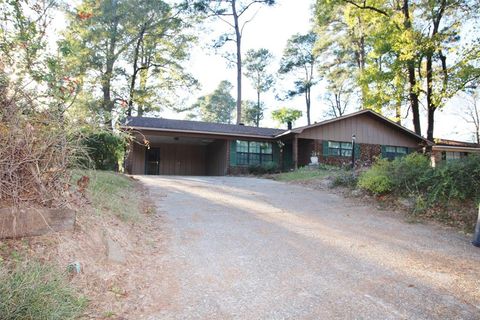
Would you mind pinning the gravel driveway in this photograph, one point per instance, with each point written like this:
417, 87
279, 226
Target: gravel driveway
246, 248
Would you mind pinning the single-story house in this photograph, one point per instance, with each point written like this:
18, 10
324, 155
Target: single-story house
182, 147
446, 150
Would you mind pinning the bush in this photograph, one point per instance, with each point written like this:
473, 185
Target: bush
377, 180
407, 174
258, 169
457, 180
413, 175
35, 155
345, 179
105, 148
35, 291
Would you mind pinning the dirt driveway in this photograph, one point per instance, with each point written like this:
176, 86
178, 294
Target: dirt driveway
246, 248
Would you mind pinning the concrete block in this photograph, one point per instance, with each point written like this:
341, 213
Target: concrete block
28, 222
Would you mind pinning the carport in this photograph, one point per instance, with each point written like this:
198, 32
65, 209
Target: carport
180, 155
182, 147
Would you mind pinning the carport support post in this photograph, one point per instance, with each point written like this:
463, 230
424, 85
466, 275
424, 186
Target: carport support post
476, 236
295, 152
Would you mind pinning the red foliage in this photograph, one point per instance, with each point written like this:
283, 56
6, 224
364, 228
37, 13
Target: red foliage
82, 15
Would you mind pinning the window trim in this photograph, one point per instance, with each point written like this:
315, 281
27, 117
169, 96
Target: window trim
461, 155
396, 154
260, 155
340, 149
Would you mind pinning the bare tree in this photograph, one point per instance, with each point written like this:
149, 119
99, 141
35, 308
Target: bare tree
472, 114
233, 13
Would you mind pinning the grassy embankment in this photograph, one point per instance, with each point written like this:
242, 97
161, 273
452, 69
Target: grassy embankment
112, 193
448, 194
307, 173
32, 289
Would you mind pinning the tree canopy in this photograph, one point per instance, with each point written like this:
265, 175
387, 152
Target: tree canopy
257, 63
300, 58
285, 115
131, 50
217, 106
235, 14
403, 53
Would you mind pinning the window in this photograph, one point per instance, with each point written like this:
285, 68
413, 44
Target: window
392, 152
452, 155
340, 149
254, 152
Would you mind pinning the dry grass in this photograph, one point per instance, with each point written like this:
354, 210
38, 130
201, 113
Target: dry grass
35, 155
113, 193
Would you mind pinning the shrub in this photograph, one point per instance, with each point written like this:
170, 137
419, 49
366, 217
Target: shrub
413, 175
35, 155
35, 291
459, 180
345, 179
105, 148
407, 174
258, 169
377, 180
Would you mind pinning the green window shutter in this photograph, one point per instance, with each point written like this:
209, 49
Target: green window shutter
384, 151
233, 152
357, 151
287, 157
325, 148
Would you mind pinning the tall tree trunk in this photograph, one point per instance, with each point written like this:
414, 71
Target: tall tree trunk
307, 101
143, 88
257, 114
108, 103
476, 119
107, 97
398, 112
239, 61
412, 81
135, 70
361, 58
430, 104
413, 97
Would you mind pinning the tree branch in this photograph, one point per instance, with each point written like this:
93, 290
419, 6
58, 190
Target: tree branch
366, 7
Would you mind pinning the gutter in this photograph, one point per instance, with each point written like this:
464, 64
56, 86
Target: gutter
199, 132
454, 148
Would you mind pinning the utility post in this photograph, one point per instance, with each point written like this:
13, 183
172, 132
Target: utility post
353, 151
476, 236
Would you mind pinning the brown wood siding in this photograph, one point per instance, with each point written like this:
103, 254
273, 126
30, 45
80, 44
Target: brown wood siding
305, 148
138, 159
217, 158
366, 129
179, 159
184, 159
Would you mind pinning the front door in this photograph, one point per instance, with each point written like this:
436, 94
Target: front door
152, 161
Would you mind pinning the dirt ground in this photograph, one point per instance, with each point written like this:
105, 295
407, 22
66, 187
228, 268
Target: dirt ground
122, 282
247, 248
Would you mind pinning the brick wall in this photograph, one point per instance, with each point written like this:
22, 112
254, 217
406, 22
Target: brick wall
368, 153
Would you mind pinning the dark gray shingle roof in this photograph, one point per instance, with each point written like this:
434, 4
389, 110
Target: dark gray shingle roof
200, 126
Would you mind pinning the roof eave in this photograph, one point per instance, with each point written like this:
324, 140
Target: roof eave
455, 148
271, 137
366, 111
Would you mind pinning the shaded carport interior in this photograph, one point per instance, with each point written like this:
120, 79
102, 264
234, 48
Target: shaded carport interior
178, 154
